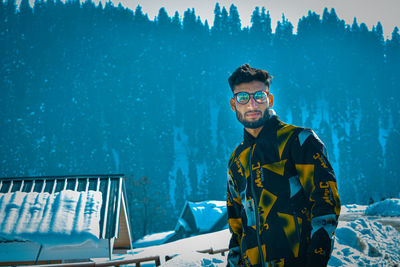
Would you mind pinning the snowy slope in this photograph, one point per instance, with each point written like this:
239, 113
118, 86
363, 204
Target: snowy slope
387, 207
363, 241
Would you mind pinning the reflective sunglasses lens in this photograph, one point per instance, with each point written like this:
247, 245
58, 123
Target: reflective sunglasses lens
243, 98
260, 96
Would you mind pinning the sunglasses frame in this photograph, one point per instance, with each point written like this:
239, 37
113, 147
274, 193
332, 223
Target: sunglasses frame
251, 95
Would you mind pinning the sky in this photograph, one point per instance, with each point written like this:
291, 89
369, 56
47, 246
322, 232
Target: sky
367, 11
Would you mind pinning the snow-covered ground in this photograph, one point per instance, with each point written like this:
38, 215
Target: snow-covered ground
387, 207
361, 240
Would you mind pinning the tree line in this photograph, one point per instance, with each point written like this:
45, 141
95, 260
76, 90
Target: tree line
93, 88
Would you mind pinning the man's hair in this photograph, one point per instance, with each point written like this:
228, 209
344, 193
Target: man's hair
245, 74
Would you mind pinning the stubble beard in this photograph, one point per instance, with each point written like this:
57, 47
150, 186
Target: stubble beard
253, 124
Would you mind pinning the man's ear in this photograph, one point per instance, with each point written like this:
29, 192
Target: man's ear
233, 106
271, 100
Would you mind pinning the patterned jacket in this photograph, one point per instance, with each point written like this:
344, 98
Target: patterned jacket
287, 204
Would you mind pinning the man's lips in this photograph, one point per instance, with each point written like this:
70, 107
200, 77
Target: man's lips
252, 114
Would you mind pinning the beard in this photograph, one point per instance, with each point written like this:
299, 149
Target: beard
253, 124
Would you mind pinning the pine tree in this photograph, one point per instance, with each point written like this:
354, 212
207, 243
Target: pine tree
266, 23
256, 25
234, 21
224, 21
176, 21
180, 191
349, 166
391, 178
393, 62
139, 18
163, 19
217, 27
100, 88
25, 10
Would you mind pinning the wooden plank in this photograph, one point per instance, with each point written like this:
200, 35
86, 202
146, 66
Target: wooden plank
123, 240
105, 204
136, 261
13, 263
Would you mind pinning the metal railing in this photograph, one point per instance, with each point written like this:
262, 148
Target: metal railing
125, 261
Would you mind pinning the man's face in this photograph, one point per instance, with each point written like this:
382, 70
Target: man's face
252, 114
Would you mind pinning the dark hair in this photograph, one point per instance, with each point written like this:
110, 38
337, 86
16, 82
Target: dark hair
245, 74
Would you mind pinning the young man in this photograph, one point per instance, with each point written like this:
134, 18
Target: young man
282, 196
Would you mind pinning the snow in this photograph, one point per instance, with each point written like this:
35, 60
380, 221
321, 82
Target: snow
185, 251
66, 217
197, 259
353, 208
207, 213
360, 241
153, 239
365, 243
387, 207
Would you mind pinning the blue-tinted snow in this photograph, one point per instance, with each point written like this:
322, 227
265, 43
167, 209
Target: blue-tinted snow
207, 213
362, 242
153, 239
387, 207
66, 217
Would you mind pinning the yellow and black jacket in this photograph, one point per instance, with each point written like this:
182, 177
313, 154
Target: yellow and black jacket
287, 203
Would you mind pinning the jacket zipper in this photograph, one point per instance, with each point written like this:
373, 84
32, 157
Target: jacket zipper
252, 182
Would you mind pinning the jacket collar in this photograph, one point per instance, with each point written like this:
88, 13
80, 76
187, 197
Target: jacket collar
269, 126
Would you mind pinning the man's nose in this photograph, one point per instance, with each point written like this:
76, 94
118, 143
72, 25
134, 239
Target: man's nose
252, 102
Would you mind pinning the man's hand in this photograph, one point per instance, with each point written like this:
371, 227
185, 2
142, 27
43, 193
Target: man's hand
320, 249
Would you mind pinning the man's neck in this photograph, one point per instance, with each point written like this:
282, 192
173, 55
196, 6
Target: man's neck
254, 132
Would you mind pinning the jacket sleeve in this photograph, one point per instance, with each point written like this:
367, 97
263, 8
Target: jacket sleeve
319, 183
233, 203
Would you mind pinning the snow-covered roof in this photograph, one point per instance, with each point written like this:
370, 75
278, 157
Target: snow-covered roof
203, 217
196, 218
207, 213
66, 217
85, 215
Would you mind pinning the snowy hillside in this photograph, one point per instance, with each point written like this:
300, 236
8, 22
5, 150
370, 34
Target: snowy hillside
361, 240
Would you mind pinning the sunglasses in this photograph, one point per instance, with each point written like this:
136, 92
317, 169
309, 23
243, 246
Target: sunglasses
244, 97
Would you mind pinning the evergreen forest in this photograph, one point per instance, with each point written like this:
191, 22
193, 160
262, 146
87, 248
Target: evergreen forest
91, 88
